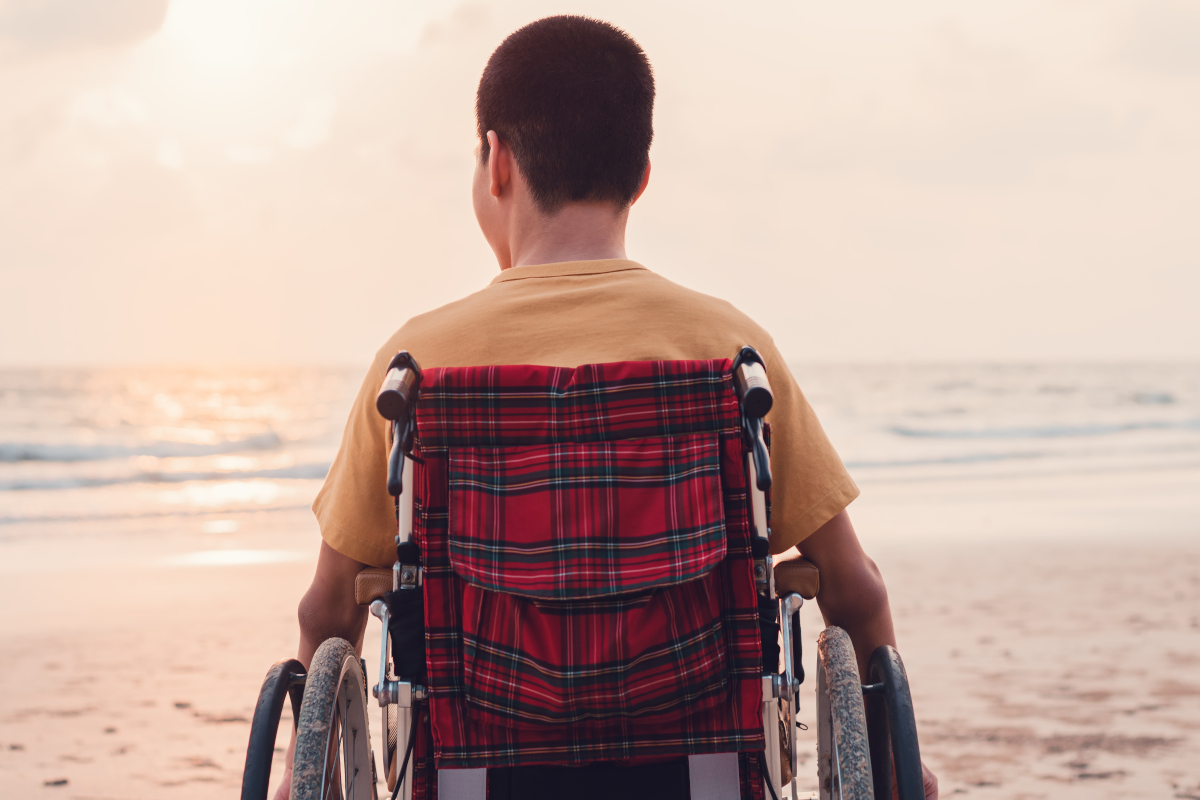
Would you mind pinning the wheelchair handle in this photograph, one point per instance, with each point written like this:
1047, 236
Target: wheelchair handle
762, 461
396, 401
754, 390
400, 388
755, 397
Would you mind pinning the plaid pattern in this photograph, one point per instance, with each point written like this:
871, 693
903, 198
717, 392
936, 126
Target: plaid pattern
530, 662
750, 776
495, 615
573, 521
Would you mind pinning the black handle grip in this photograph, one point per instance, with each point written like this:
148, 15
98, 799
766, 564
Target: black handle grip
396, 402
754, 390
797, 649
395, 479
762, 460
400, 389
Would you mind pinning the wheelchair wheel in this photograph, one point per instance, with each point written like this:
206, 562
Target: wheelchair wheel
843, 757
333, 744
890, 720
284, 679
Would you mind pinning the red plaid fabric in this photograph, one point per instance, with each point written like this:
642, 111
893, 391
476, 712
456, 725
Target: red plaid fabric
588, 578
644, 656
573, 521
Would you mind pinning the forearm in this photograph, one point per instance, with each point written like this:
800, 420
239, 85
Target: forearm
866, 615
327, 612
852, 594
315, 631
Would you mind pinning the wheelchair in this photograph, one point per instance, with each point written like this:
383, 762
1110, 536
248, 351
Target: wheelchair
584, 604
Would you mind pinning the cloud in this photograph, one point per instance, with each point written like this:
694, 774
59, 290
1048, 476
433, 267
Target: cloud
463, 22
1165, 37
41, 26
314, 123
170, 154
108, 107
248, 153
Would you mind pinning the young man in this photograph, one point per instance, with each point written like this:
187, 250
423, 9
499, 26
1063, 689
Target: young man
564, 112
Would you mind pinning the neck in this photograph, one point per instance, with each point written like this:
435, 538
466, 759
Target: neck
576, 232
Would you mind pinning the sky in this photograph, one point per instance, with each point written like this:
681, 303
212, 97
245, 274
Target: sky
287, 181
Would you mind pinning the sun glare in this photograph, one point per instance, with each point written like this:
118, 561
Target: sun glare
225, 36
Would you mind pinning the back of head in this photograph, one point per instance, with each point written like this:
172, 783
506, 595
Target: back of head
573, 98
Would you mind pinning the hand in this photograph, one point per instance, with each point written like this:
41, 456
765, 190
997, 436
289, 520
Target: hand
930, 781
927, 778
285, 780
285, 784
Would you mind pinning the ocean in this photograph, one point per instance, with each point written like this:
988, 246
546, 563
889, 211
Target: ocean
126, 445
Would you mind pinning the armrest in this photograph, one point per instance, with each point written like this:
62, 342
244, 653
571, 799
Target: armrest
370, 584
797, 575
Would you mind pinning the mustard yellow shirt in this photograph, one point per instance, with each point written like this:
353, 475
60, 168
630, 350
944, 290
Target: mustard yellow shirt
564, 315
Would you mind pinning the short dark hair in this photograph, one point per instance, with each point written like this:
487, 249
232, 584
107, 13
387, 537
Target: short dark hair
573, 98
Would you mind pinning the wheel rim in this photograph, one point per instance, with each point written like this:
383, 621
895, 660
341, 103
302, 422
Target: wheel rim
333, 758
345, 776
841, 734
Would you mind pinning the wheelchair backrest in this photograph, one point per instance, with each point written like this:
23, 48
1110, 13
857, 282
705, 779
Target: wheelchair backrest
588, 575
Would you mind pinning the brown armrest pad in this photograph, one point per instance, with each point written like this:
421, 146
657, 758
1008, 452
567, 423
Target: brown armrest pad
370, 584
797, 575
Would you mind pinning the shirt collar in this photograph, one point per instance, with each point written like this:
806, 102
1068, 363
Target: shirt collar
565, 269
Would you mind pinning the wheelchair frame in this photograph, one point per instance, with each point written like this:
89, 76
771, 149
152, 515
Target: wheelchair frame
848, 767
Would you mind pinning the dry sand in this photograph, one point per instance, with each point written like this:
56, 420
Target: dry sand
1066, 669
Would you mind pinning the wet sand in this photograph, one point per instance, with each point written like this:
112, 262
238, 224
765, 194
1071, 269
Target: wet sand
1041, 669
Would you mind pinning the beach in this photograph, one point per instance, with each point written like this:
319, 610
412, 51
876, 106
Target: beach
1047, 607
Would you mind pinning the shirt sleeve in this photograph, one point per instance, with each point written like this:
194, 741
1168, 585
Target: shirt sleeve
810, 485
356, 515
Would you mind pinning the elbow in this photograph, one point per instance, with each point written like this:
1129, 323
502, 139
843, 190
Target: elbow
323, 614
854, 597
872, 588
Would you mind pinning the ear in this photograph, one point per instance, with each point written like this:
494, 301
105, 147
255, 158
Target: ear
499, 164
645, 183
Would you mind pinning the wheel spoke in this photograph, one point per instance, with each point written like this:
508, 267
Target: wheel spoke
354, 750
836, 759
329, 778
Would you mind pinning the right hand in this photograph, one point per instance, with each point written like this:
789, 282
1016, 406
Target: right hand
285, 785
285, 780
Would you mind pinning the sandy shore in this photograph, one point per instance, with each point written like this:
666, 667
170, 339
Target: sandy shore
1061, 669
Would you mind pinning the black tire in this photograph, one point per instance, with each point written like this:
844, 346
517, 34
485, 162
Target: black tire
333, 743
892, 728
843, 756
284, 679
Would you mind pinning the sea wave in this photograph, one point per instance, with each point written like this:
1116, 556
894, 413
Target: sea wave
1059, 431
11, 452
301, 471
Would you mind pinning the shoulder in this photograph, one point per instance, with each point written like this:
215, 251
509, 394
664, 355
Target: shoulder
695, 308
430, 335
719, 307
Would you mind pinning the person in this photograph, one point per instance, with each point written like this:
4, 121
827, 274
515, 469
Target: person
564, 111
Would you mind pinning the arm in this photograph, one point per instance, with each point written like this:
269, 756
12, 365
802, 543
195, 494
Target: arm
326, 610
853, 597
